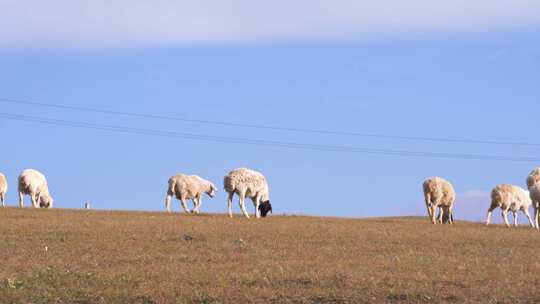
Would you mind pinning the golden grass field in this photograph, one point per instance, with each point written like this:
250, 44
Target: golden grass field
79, 256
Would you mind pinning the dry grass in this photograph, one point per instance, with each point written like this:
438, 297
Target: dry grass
141, 257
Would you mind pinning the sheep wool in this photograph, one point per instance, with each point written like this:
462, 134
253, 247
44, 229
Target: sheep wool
34, 184
247, 183
188, 187
534, 193
439, 193
509, 198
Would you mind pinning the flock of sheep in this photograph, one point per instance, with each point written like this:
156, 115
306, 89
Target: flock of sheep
439, 194
32, 183
246, 183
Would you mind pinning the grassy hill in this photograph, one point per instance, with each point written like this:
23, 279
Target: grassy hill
77, 256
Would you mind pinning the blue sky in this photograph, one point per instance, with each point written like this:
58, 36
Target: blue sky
470, 73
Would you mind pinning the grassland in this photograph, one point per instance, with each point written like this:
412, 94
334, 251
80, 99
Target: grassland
75, 256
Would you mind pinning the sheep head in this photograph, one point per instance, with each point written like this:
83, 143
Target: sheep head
45, 201
212, 190
264, 208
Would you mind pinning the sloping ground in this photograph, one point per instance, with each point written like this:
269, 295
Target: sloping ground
69, 256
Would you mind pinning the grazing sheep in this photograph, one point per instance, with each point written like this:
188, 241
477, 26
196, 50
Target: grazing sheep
34, 184
533, 183
534, 177
534, 193
3, 189
439, 193
188, 187
248, 183
509, 197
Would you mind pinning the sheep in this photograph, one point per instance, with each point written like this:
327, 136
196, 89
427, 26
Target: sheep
34, 184
509, 197
534, 177
533, 184
3, 189
534, 193
248, 183
188, 187
439, 194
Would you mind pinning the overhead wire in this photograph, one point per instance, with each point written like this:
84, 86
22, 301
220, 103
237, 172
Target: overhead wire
258, 142
269, 127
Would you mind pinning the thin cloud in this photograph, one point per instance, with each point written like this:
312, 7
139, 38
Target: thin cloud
472, 205
134, 22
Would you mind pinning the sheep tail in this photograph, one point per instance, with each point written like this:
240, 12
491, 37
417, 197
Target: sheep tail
172, 186
228, 184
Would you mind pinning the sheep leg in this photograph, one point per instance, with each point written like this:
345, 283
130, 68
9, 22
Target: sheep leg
2, 198
21, 200
515, 218
256, 203
433, 214
428, 204
446, 211
229, 202
35, 200
450, 215
168, 202
537, 216
184, 205
440, 215
428, 207
505, 217
526, 211
196, 204
490, 211
242, 202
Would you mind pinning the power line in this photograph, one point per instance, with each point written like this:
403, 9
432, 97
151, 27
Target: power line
268, 127
259, 142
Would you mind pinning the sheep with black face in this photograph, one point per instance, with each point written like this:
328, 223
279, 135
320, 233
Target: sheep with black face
248, 183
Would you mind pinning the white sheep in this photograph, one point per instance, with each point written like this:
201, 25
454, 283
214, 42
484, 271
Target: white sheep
533, 183
439, 193
188, 187
34, 184
510, 197
3, 189
248, 183
534, 192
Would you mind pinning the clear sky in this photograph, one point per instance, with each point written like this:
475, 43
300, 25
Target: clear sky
444, 69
